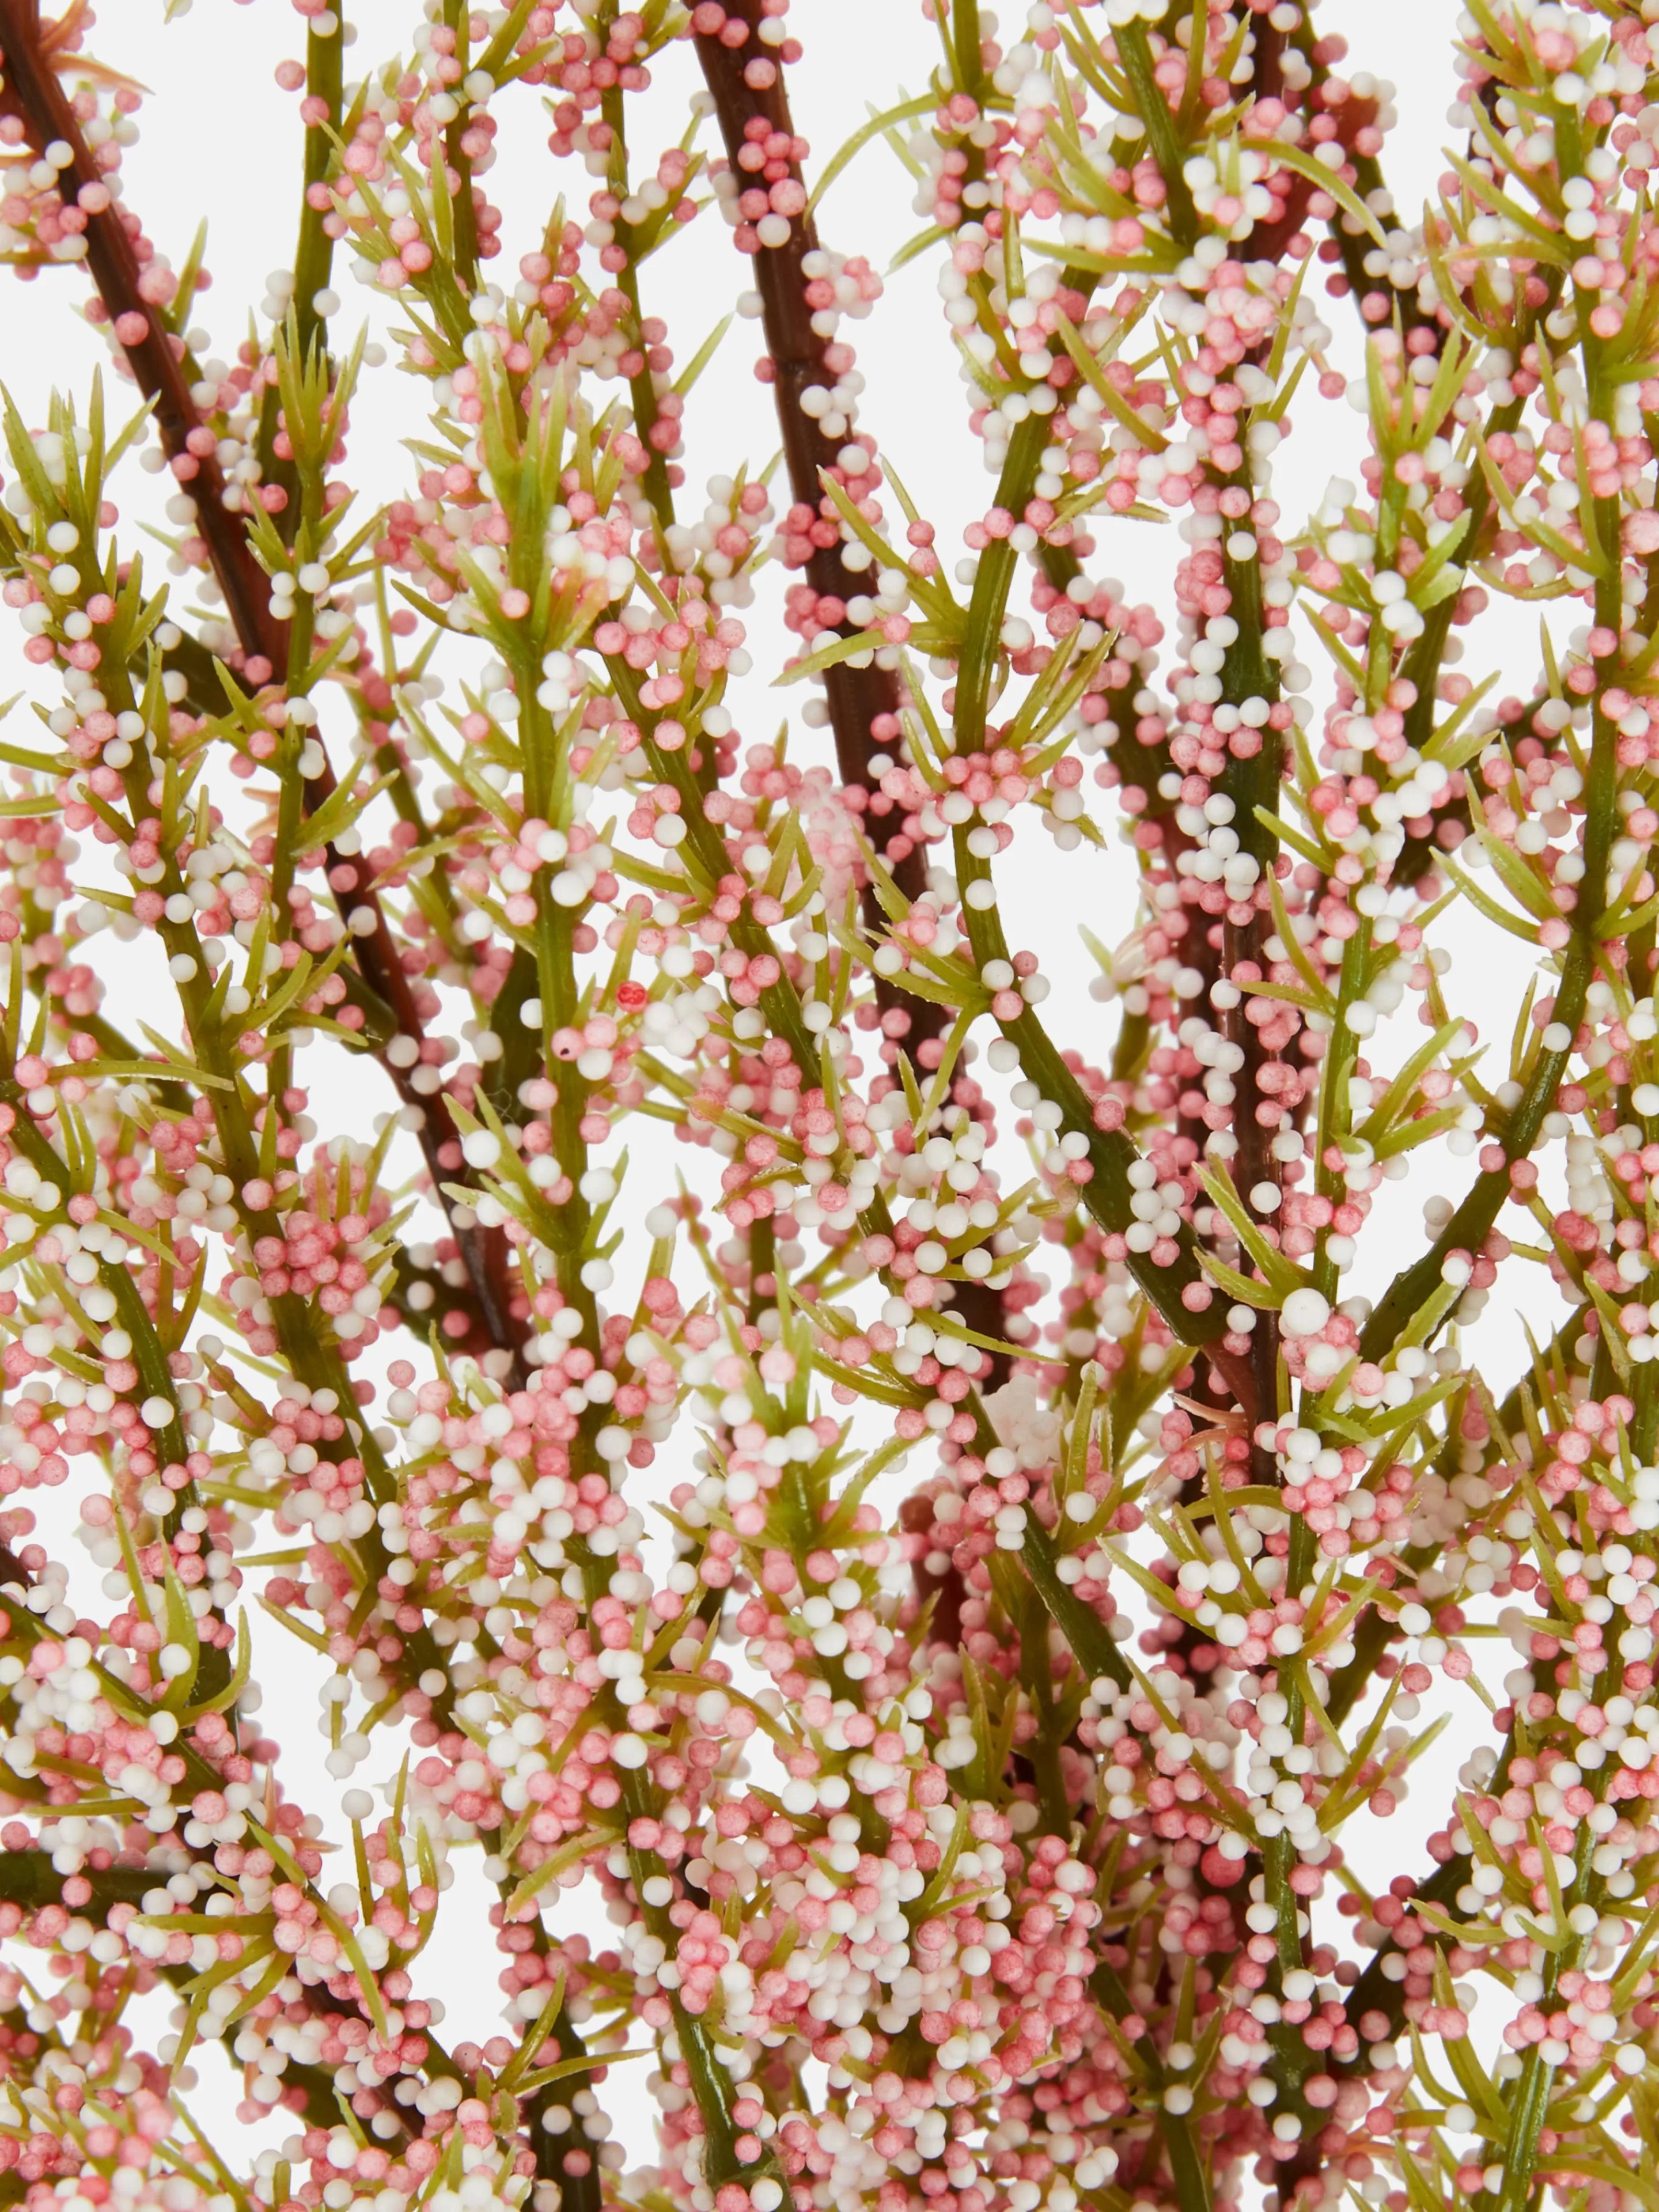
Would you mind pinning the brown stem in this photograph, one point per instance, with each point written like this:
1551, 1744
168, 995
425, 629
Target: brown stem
746, 84
856, 695
32, 91
34, 95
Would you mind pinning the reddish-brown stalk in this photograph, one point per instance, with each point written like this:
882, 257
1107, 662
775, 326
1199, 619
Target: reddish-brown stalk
156, 354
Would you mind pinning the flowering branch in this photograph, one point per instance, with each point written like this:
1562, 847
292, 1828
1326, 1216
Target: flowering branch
1064, 1573
151, 351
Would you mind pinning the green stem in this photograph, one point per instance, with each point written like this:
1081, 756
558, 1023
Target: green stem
965, 48
1043, 1750
1470, 1225
1247, 673
1108, 1193
1136, 55
291, 782
1335, 1117
993, 575
1188, 2178
314, 258
457, 14
641, 388
1090, 1641
547, 798
314, 262
1529, 2100
993, 579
